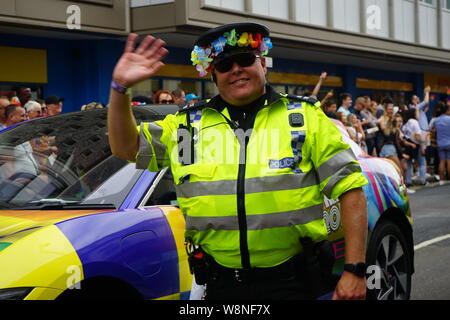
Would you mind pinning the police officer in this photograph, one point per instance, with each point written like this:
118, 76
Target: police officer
250, 166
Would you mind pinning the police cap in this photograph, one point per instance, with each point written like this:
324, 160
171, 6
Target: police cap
208, 37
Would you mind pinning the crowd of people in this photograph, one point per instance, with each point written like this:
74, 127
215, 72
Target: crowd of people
21, 107
402, 133
177, 96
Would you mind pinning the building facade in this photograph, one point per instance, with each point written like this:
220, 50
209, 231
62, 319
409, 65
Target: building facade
368, 47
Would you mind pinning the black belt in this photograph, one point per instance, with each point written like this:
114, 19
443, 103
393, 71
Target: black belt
287, 269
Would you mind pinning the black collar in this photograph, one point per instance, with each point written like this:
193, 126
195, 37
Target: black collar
219, 104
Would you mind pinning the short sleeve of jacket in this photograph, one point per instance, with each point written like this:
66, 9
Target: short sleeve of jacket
336, 164
156, 142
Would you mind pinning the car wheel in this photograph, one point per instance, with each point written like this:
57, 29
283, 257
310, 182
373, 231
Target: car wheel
388, 250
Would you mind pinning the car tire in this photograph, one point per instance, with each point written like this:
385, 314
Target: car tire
389, 251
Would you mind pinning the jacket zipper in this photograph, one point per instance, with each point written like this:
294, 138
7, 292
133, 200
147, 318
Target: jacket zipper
242, 217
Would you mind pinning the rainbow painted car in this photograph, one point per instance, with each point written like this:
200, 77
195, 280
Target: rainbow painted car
79, 223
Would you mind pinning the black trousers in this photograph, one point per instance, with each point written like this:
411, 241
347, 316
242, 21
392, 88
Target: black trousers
288, 288
281, 283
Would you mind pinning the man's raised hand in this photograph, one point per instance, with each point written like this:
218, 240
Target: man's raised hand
138, 64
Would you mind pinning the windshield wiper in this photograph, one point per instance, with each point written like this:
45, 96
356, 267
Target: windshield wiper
59, 204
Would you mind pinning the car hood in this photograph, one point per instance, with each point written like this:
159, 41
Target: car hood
15, 224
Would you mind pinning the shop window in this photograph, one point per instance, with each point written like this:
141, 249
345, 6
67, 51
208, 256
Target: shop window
188, 86
430, 2
210, 90
146, 88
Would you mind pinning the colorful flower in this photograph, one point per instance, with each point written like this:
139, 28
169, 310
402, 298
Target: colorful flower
202, 57
243, 40
265, 46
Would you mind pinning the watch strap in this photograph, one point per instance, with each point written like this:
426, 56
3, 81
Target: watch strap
359, 268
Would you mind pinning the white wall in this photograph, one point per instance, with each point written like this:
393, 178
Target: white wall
404, 20
228, 4
311, 12
428, 25
346, 15
446, 29
143, 3
377, 17
272, 8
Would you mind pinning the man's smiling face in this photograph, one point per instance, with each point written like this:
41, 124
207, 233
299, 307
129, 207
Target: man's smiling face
242, 85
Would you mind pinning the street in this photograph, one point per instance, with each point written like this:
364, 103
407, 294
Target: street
431, 216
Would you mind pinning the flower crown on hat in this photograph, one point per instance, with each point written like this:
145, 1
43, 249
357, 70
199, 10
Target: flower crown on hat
202, 57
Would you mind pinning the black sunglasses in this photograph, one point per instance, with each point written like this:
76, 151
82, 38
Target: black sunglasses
167, 101
245, 59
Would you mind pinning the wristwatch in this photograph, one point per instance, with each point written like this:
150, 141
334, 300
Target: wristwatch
358, 269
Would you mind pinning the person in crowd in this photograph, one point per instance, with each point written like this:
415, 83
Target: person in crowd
389, 147
54, 105
4, 102
369, 124
163, 97
422, 108
413, 134
373, 107
92, 105
356, 131
192, 98
380, 107
388, 114
34, 109
346, 103
329, 108
433, 152
327, 97
24, 95
236, 269
44, 107
141, 100
22, 166
323, 76
180, 96
14, 114
402, 144
442, 124
341, 117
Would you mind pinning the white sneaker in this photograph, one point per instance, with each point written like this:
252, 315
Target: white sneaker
410, 191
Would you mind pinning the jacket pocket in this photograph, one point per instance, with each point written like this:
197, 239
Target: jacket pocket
198, 170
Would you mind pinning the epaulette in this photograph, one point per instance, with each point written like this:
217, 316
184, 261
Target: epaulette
194, 106
294, 98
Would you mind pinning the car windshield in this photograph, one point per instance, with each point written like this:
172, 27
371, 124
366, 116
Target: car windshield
64, 160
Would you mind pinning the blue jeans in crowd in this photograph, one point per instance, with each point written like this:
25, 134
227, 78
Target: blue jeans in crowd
422, 169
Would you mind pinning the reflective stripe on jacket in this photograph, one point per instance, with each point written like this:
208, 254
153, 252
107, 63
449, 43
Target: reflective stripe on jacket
253, 194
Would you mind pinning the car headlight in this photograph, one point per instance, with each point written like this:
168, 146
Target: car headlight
14, 293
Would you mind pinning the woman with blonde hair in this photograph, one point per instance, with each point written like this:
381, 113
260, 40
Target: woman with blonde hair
355, 130
389, 140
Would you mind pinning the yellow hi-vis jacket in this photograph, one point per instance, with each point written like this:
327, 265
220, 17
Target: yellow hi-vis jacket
249, 196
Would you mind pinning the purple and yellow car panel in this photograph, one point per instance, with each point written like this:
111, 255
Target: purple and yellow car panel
177, 224
39, 250
138, 191
136, 246
41, 257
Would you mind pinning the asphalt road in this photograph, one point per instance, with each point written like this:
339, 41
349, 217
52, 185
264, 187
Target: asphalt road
431, 216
